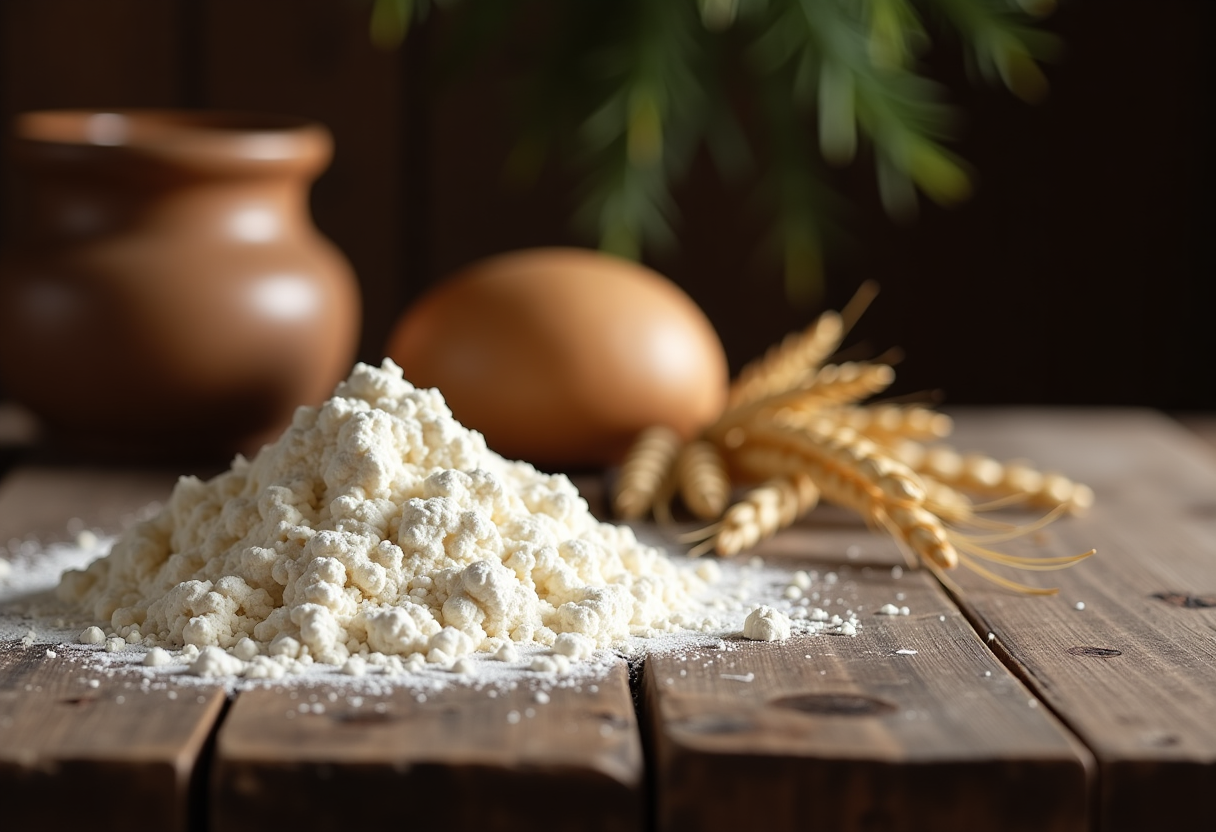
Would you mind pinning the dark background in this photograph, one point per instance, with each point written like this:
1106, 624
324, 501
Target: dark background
1080, 272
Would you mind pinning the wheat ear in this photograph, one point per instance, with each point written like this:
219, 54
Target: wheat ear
647, 464
703, 481
986, 476
847, 383
889, 423
761, 513
854, 472
786, 364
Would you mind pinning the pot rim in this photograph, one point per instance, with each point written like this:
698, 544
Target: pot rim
247, 136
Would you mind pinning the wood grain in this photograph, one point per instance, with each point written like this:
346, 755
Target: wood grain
564, 758
1134, 671
851, 733
83, 748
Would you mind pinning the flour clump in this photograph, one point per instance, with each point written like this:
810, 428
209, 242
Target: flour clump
766, 624
377, 524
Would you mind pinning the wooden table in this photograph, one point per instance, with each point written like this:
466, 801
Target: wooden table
1094, 709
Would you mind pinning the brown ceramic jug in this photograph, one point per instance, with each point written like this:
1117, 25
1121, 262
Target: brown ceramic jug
166, 289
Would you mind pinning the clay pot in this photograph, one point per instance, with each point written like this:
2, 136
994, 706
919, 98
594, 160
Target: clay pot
167, 289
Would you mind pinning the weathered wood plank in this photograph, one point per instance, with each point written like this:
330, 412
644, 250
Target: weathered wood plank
471, 756
1126, 654
126, 753
860, 733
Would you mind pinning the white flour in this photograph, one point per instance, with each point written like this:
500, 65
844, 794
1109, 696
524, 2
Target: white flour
377, 537
31, 619
378, 525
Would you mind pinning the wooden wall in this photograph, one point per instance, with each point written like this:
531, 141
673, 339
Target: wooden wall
1081, 272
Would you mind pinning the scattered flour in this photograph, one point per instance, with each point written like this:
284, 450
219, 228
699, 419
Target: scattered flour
555, 663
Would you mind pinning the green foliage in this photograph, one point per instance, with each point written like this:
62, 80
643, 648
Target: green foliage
631, 89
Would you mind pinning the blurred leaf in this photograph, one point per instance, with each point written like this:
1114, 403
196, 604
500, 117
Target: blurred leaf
627, 91
837, 123
939, 174
896, 35
645, 129
718, 14
1001, 45
390, 22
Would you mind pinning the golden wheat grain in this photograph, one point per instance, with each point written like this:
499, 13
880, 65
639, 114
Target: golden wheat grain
647, 464
1015, 480
785, 365
832, 386
889, 423
798, 426
852, 381
854, 472
763, 511
947, 502
703, 482
924, 534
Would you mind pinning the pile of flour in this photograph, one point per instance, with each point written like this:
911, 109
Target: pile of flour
378, 526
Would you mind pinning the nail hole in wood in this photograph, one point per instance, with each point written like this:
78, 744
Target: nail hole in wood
835, 704
1183, 599
1095, 652
78, 700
